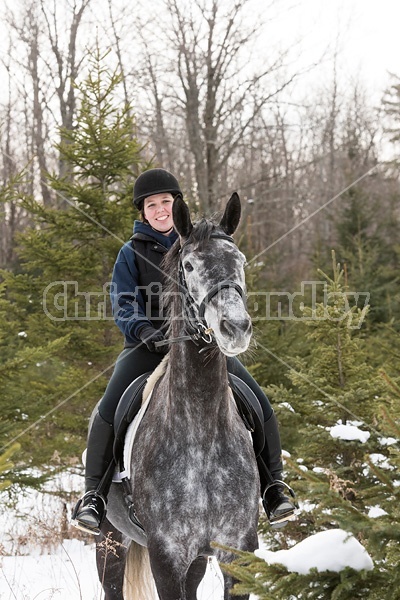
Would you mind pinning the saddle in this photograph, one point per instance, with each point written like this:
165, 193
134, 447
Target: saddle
128, 407
131, 400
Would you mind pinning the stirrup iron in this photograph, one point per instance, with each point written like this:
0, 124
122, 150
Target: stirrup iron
74, 516
279, 521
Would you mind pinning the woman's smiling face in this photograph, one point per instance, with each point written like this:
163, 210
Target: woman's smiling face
158, 211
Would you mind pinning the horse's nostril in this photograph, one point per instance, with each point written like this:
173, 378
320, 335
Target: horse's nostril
246, 325
227, 328
232, 328
249, 326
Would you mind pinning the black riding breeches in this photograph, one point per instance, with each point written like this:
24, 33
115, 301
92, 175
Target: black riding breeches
133, 362
236, 368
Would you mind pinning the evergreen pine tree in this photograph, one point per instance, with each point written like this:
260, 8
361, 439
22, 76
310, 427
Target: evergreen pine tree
6, 466
59, 304
350, 484
367, 249
391, 107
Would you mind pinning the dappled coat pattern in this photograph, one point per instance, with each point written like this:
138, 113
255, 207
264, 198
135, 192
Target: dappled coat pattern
193, 469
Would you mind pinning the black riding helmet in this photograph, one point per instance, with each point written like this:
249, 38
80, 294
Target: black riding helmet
154, 181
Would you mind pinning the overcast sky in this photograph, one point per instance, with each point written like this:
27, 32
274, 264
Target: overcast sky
365, 32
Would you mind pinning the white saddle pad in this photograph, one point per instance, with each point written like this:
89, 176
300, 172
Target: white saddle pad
129, 439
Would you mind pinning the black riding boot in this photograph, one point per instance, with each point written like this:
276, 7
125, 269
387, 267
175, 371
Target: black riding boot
90, 510
279, 508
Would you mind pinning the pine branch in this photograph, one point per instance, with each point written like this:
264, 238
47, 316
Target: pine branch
390, 382
380, 474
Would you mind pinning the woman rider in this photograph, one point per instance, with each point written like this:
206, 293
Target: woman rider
137, 271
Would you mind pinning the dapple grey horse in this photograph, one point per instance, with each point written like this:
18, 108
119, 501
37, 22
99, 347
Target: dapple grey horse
194, 476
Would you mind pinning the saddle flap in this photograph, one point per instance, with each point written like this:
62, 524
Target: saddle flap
250, 410
128, 407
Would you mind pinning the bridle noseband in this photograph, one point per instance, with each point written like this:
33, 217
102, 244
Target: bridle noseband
195, 324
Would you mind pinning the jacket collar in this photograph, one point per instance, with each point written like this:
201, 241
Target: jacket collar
145, 231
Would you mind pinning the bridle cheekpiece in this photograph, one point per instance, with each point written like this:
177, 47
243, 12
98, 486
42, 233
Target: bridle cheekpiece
193, 314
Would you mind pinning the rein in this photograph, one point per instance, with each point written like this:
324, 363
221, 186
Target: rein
195, 324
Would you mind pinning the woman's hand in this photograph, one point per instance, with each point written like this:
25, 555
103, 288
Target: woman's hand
148, 335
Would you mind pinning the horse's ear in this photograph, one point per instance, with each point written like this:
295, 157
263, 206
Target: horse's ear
181, 217
231, 216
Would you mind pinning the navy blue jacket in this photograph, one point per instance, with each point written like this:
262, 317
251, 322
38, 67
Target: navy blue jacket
128, 297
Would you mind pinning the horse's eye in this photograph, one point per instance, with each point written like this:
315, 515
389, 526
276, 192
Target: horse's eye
188, 267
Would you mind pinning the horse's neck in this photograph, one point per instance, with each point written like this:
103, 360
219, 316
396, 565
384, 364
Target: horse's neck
202, 377
200, 369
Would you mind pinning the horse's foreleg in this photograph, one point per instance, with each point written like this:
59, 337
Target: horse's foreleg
194, 576
248, 545
229, 582
110, 560
168, 574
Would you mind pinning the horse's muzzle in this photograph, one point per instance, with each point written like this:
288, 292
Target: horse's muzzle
234, 335
236, 328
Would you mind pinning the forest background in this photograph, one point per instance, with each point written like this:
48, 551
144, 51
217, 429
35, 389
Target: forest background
93, 93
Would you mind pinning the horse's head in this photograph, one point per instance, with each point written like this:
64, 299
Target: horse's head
212, 271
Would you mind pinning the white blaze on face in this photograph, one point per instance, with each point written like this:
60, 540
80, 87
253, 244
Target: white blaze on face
225, 313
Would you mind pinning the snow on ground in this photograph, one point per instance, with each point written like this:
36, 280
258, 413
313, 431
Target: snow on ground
70, 574
36, 565
67, 574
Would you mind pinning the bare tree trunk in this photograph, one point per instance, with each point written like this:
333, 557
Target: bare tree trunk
12, 219
119, 54
210, 84
38, 133
67, 64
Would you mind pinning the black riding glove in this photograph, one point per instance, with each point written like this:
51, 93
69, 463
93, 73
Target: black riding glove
148, 335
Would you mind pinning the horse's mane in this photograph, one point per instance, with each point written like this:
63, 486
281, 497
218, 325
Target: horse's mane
199, 236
